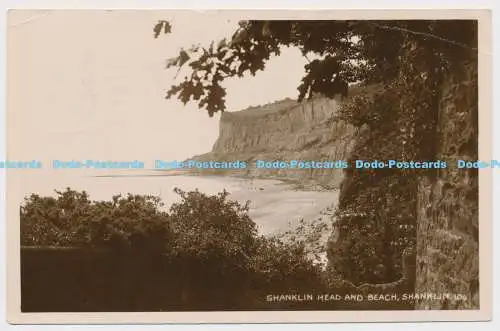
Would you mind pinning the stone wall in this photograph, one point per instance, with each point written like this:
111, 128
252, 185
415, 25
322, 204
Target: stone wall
447, 215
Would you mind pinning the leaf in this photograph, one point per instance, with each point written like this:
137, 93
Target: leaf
167, 27
162, 25
183, 58
157, 29
171, 62
222, 44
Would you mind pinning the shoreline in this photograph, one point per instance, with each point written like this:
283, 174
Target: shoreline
297, 184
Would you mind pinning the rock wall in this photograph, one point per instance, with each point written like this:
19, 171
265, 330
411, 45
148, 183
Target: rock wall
434, 116
447, 215
286, 130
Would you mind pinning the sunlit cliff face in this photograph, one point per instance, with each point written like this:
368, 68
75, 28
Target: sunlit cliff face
286, 130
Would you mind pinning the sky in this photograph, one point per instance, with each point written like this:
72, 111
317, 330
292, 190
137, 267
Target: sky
91, 85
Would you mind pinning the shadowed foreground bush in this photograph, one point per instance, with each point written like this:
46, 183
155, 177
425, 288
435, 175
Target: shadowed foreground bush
128, 255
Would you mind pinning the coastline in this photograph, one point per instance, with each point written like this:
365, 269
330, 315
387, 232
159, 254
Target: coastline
298, 184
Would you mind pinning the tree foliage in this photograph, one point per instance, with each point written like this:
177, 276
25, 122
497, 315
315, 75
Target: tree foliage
365, 51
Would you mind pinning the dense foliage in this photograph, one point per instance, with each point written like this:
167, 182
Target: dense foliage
407, 61
367, 51
72, 219
208, 239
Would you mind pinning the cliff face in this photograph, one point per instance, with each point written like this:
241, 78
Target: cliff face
285, 130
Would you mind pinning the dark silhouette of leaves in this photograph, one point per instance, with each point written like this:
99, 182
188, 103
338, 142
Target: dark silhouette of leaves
354, 51
164, 26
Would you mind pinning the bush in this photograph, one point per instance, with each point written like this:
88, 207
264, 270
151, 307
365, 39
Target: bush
212, 228
208, 245
71, 219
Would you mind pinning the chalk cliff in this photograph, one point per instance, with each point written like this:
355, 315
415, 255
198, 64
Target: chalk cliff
285, 130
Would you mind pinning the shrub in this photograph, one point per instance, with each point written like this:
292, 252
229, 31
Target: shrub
212, 228
207, 246
71, 219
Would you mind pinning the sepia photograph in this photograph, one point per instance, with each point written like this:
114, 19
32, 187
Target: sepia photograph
257, 166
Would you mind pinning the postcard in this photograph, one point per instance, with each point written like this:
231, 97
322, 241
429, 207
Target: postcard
257, 166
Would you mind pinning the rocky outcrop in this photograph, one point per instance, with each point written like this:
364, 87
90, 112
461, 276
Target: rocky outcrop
285, 130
